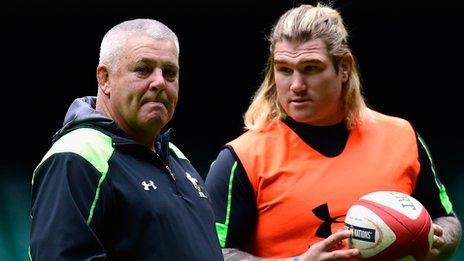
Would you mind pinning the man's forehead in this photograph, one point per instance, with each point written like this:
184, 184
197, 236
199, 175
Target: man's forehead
306, 51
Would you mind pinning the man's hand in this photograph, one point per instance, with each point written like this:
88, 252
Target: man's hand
329, 248
438, 242
446, 237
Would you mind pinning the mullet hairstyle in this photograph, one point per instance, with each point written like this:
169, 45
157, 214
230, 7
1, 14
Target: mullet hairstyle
301, 24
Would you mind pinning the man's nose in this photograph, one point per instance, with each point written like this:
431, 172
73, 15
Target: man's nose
157, 81
297, 82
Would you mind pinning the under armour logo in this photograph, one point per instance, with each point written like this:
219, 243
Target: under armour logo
146, 186
322, 212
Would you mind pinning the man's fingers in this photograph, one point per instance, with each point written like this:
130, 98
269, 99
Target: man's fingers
437, 230
432, 255
335, 240
438, 242
342, 254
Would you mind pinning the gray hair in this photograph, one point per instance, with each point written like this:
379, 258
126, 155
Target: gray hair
116, 38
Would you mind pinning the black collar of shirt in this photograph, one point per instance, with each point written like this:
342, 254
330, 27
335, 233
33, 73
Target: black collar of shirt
327, 140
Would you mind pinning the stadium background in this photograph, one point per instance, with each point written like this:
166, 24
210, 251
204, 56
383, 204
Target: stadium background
409, 55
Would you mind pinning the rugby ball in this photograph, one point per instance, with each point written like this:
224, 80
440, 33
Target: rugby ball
389, 225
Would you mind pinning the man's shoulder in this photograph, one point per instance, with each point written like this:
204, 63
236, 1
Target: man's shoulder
83, 141
273, 130
177, 152
382, 119
91, 144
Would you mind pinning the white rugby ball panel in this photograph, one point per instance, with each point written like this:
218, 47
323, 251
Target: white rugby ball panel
401, 202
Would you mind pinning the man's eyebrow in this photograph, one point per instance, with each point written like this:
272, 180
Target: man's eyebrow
163, 64
312, 61
171, 65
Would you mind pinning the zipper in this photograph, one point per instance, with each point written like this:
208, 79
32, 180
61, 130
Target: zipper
166, 167
167, 170
170, 172
173, 179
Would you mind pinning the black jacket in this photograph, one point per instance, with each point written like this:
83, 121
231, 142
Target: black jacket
99, 195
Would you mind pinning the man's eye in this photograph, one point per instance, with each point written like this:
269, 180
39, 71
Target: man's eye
143, 70
284, 70
170, 75
311, 69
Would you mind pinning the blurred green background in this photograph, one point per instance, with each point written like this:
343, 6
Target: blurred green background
14, 213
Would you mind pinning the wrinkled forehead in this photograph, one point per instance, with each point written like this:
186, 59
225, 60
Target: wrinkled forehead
157, 42
146, 47
312, 49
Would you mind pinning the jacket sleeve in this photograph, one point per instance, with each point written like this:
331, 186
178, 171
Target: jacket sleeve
66, 210
429, 190
233, 200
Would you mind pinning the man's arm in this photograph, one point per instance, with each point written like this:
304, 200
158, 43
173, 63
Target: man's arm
233, 201
432, 194
233, 254
323, 250
64, 210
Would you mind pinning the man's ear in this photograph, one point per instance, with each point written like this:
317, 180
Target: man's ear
346, 65
103, 78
